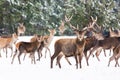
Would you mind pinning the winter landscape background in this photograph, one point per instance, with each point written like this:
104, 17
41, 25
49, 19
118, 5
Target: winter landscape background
98, 70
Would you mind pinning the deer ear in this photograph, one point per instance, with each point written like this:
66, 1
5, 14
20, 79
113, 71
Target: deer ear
49, 30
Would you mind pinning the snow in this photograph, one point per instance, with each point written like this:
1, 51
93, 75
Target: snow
97, 70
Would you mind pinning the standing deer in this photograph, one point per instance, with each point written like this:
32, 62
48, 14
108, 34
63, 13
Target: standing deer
40, 48
107, 43
111, 34
70, 47
27, 47
90, 41
21, 29
8, 42
62, 27
48, 39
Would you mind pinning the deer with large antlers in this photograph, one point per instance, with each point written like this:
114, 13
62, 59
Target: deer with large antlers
70, 47
90, 41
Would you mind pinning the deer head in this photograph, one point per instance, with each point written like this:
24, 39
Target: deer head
21, 29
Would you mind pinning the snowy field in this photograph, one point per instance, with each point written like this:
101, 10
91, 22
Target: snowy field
98, 70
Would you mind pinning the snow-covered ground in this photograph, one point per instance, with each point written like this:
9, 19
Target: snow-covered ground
98, 70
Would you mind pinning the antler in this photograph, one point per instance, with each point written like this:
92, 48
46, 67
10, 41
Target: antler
68, 19
93, 25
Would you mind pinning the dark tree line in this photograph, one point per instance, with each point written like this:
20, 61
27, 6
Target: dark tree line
40, 15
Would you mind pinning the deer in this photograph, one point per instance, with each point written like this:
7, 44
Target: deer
8, 42
27, 47
21, 29
115, 56
107, 43
48, 39
39, 50
70, 47
62, 27
111, 34
90, 41
34, 38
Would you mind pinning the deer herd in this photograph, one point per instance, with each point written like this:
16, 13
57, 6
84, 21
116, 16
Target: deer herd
88, 41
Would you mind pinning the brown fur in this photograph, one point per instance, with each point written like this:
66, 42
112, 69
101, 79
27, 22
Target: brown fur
21, 29
70, 47
62, 28
48, 39
8, 42
107, 43
27, 47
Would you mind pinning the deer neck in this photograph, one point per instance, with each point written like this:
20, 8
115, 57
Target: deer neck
80, 42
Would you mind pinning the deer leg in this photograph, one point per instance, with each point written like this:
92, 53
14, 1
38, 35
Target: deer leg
39, 56
111, 58
11, 51
104, 52
111, 50
91, 52
39, 53
19, 57
33, 58
85, 53
60, 56
24, 57
80, 60
58, 60
68, 61
98, 53
76, 59
14, 56
6, 51
56, 53
46, 51
116, 60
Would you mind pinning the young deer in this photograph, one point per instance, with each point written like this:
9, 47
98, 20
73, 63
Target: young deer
8, 42
62, 28
21, 29
115, 56
48, 39
39, 50
27, 47
70, 47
